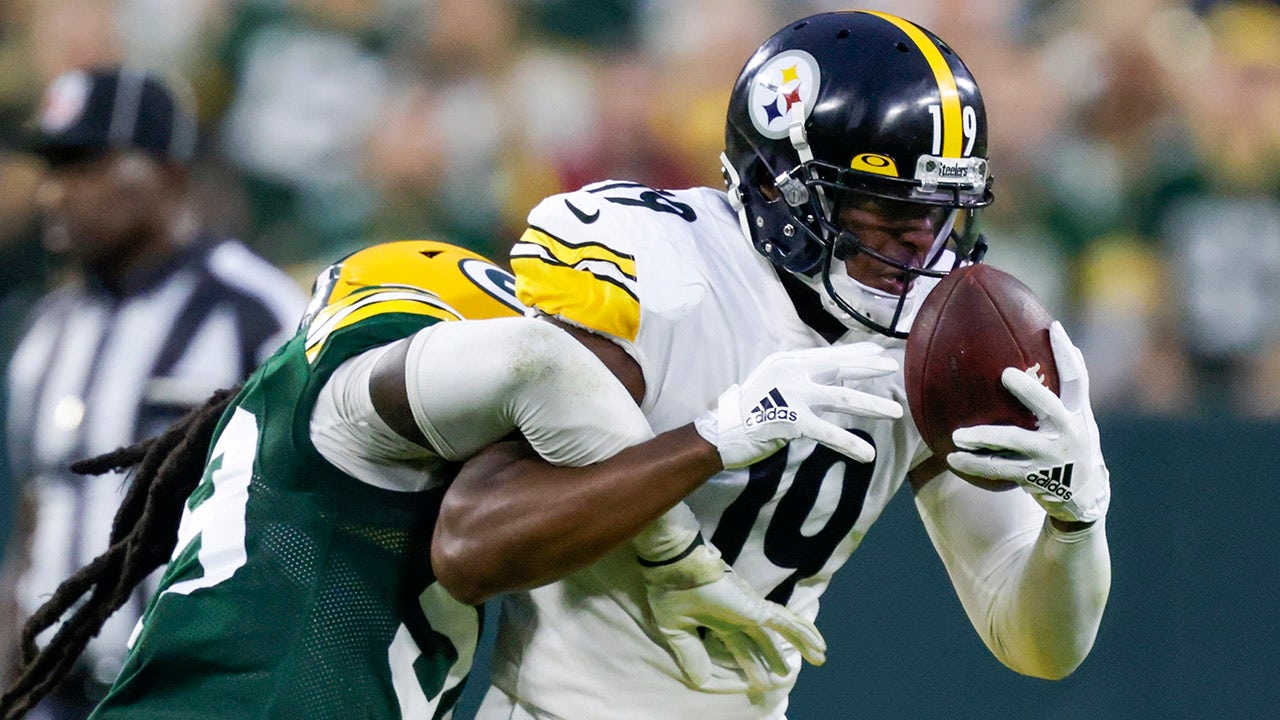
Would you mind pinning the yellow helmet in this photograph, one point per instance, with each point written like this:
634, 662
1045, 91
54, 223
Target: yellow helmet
463, 280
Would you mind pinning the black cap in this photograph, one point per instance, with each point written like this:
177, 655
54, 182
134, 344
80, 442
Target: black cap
87, 113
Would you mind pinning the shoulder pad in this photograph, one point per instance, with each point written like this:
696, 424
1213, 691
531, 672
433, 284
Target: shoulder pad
578, 257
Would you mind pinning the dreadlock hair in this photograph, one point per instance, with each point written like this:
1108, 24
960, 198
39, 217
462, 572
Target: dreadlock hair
143, 534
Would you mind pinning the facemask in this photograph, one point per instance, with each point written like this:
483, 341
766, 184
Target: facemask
878, 305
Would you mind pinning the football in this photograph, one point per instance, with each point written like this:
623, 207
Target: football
975, 323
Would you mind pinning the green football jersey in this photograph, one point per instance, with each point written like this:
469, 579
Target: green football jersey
295, 590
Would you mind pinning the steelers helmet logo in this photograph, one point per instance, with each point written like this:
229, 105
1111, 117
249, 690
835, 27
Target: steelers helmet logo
788, 79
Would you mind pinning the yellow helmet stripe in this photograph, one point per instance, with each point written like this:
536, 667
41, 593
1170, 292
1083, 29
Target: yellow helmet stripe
952, 133
354, 308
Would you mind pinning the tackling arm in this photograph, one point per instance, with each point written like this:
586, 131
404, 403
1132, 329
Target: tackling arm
487, 539
460, 387
1034, 592
511, 519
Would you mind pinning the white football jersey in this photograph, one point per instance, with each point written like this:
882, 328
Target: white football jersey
670, 276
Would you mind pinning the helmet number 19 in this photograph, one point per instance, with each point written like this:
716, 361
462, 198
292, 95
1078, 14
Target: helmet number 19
968, 124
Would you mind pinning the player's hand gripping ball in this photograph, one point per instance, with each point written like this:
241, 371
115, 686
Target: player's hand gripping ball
975, 323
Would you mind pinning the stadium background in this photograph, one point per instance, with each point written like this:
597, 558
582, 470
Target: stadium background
1136, 148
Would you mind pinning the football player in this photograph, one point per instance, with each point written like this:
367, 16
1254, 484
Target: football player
855, 160
297, 514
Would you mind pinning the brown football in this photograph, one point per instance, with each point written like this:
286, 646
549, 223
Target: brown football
975, 323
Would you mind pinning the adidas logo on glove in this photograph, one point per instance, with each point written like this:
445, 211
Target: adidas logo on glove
772, 408
1056, 481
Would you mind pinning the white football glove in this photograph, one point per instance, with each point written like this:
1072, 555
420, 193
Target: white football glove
698, 590
1060, 463
780, 399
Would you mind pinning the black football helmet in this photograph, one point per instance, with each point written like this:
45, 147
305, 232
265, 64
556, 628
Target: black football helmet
847, 105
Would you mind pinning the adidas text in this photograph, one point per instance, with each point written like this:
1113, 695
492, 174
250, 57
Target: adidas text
758, 416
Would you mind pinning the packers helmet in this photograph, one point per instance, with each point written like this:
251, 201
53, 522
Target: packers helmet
844, 106
466, 282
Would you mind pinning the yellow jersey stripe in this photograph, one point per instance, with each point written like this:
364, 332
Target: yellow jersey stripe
589, 299
952, 133
571, 254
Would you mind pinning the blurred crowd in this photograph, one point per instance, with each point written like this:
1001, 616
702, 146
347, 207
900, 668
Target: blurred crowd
1136, 145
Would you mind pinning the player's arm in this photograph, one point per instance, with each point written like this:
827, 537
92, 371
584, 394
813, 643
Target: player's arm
510, 521
1034, 593
525, 512
675, 462
1032, 568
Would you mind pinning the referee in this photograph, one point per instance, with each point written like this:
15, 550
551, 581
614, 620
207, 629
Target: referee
158, 313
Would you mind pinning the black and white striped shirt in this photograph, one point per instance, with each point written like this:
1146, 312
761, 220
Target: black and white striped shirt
97, 370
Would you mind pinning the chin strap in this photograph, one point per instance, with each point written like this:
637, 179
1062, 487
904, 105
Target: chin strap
889, 330
800, 141
799, 138
733, 181
809, 307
